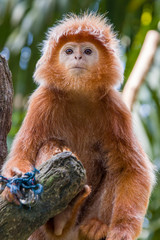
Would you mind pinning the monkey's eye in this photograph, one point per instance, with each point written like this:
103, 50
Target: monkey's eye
88, 51
69, 51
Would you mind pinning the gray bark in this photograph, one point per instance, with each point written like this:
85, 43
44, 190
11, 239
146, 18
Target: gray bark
6, 99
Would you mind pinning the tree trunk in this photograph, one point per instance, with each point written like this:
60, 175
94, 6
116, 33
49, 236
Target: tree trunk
6, 99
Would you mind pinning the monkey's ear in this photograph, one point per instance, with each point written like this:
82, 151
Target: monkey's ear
39, 68
41, 61
47, 51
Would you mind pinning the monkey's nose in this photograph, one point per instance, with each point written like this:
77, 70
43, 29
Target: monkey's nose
80, 57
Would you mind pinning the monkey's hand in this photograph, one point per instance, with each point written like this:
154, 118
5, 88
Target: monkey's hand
6, 194
93, 230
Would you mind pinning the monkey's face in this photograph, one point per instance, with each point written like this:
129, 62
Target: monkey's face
78, 57
78, 65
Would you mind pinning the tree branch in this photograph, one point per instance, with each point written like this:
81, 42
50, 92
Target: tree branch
141, 67
62, 177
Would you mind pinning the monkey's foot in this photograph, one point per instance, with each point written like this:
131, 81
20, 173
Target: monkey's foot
93, 230
117, 234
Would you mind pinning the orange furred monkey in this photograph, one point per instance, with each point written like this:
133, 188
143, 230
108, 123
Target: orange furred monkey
76, 107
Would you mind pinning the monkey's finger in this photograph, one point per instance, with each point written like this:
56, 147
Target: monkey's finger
16, 201
12, 198
84, 231
17, 172
8, 196
81, 236
101, 232
2, 187
94, 230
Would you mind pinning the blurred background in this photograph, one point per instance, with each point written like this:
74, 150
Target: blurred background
23, 24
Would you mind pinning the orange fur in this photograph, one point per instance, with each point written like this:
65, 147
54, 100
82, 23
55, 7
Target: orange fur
93, 123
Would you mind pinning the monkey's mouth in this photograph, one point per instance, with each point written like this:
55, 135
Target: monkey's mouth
78, 67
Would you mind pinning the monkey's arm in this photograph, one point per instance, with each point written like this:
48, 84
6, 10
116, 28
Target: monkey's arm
33, 133
133, 174
30, 137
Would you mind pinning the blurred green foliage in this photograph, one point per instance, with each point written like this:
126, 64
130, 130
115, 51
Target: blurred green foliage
22, 28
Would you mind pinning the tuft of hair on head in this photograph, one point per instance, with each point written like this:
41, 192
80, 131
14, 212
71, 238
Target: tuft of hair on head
91, 23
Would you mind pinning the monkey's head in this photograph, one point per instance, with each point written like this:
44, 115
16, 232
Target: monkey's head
80, 53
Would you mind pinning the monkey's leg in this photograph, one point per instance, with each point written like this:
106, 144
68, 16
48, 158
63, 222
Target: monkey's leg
60, 225
95, 224
129, 191
48, 149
